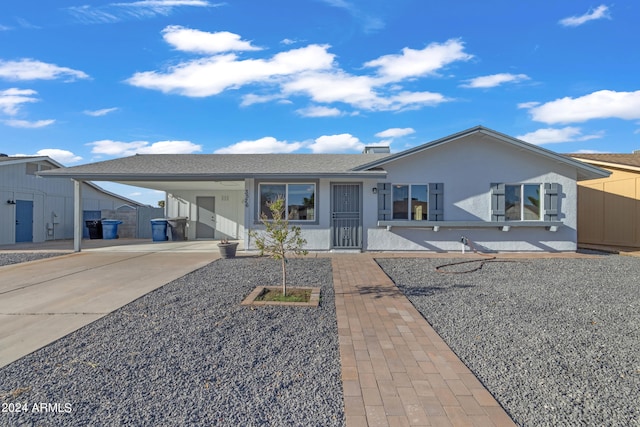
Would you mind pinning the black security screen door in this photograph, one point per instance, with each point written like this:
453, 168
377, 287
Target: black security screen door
346, 218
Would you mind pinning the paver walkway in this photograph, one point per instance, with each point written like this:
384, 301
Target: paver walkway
396, 370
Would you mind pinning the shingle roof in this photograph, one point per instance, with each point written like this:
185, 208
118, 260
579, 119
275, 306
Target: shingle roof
229, 166
632, 160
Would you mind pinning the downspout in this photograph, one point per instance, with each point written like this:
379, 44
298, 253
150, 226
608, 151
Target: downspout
77, 215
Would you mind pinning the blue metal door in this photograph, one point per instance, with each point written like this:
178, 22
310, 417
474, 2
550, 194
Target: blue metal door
24, 221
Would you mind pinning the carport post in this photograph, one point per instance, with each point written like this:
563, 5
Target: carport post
77, 215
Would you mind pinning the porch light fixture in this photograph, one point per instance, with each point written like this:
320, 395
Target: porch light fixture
11, 202
375, 190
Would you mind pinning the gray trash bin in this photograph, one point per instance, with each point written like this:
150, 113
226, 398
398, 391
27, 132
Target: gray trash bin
178, 227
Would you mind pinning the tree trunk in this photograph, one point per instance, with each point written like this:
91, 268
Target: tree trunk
284, 277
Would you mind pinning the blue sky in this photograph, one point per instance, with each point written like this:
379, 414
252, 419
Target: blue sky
84, 81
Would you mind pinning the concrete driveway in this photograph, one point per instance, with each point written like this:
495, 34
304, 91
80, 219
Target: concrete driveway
42, 301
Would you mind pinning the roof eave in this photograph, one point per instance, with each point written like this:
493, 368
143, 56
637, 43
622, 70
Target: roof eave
608, 164
27, 159
208, 177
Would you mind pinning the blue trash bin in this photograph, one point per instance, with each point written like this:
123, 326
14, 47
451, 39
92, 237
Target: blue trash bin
159, 230
110, 228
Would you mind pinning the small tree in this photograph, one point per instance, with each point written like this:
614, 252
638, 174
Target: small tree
279, 238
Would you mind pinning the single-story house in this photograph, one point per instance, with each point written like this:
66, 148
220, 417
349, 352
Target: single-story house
33, 209
609, 208
497, 191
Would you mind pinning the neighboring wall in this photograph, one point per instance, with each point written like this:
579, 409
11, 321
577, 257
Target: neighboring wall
52, 203
609, 210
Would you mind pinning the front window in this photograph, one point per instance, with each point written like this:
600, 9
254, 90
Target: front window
410, 202
522, 202
299, 199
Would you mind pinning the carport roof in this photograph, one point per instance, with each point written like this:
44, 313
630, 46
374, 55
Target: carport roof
193, 167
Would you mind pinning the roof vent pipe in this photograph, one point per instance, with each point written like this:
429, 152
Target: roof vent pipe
374, 149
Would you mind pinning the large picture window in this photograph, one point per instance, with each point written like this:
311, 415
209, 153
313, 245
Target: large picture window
522, 202
410, 201
299, 199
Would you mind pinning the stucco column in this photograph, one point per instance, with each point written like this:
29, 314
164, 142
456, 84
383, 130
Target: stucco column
77, 215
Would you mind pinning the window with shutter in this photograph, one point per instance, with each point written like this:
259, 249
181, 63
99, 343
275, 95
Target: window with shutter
551, 201
412, 202
497, 202
436, 202
384, 201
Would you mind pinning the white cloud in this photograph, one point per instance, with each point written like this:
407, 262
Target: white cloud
164, 3
600, 12
116, 12
528, 105
597, 105
99, 113
61, 156
90, 15
395, 132
409, 100
27, 124
364, 16
189, 40
336, 144
319, 111
309, 71
30, 69
118, 148
251, 98
326, 87
415, 63
265, 145
587, 151
553, 136
495, 80
12, 99
212, 75
357, 91
5, 28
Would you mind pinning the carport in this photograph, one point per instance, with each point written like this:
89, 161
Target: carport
212, 196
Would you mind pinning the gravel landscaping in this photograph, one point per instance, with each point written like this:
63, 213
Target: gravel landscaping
18, 257
189, 354
556, 341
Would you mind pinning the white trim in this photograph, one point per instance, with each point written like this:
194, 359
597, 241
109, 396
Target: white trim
540, 196
438, 225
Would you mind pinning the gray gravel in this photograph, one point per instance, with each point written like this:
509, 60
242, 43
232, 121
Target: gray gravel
556, 341
189, 354
18, 257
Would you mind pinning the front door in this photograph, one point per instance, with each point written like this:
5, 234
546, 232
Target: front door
346, 216
24, 221
206, 218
